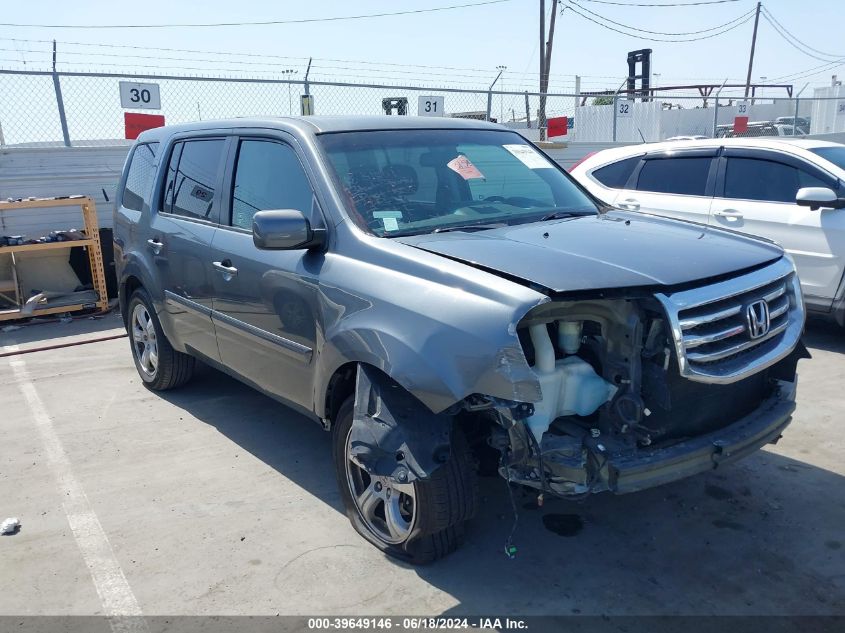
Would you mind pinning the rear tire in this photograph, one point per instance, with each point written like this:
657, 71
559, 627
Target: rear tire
159, 365
418, 522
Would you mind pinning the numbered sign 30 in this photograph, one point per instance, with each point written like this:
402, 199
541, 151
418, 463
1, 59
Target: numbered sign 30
144, 96
624, 108
430, 106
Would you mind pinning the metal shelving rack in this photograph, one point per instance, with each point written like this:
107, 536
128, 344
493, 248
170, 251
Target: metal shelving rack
91, 242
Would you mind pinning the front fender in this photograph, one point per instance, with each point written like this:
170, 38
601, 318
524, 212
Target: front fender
437, 362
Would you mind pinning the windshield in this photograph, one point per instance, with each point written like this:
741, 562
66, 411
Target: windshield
403, 182
834, 154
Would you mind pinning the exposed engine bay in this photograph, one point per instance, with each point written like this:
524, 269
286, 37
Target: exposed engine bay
612, 391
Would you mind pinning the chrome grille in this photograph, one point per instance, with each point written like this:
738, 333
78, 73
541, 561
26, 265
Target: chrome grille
717, 337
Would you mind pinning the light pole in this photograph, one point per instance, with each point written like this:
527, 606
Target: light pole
501, 69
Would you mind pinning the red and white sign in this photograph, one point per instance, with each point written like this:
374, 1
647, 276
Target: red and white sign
136, 123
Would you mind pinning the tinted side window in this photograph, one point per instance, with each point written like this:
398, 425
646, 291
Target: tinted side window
191, 178
754, 179
268, 175
616, 174
139, 180
686, 176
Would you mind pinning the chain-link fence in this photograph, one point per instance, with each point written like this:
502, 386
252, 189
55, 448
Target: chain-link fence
79, 109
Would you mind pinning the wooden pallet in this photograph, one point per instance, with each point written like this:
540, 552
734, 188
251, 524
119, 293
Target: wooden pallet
91, 244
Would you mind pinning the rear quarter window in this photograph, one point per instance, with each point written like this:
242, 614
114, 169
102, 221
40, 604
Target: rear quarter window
615, 175
140, 178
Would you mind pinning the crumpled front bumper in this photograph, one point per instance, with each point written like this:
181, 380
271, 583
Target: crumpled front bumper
653, 467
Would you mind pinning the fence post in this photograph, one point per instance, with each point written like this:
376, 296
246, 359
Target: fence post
489, 103
615, 106
795, 119
715, 115
60, 104
527, 112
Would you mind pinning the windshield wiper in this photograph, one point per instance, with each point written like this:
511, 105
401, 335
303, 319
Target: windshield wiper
469, 227
561, 214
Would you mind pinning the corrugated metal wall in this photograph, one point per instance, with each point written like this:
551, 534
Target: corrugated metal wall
58, 171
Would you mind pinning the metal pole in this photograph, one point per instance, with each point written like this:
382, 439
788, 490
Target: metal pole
307, 70
715, 115
490, 94
753, 45
615, 105
795, 117
60, 104
716, 109
527, 112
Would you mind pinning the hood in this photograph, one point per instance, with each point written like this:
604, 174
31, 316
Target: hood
613, 250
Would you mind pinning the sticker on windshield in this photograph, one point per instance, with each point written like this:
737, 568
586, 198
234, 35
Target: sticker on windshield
529, 156
463, 167
390, 224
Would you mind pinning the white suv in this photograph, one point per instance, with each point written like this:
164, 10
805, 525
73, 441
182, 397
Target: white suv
789, 191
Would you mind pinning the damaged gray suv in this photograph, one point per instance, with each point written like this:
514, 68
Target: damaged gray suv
447, 301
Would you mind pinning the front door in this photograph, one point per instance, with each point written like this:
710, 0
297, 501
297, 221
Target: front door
265, 301
180, 239
757, 196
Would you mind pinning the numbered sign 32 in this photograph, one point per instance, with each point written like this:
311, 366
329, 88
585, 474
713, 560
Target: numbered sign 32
430, 106
134, 95
624, 108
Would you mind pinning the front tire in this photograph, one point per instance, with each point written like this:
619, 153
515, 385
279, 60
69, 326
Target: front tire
159, 365
417, 522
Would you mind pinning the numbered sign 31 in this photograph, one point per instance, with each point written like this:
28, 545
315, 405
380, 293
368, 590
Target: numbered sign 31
144, 96
430, 106
624, 108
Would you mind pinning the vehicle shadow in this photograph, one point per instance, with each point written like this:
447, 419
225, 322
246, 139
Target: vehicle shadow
824, 335
760, 536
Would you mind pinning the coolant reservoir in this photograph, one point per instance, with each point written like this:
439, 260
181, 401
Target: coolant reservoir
571, 388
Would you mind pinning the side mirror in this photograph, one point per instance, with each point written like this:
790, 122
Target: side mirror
285, 230
817, 197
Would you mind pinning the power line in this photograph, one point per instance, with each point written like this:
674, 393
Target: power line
791, 43
641, 30
261, 23
287, 59
804, 44
657, 39
668, 5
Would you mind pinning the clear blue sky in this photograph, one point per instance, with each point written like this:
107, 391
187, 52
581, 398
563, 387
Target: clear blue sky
478, 38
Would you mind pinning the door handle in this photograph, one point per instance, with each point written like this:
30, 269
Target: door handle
729, 214
226, 269
629, 205
156, 245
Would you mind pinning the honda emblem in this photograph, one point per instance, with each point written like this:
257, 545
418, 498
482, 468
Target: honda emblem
759, 322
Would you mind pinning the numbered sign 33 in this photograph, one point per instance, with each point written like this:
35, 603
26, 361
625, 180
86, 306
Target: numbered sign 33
144, 96
624, 108
742, 108
430, 106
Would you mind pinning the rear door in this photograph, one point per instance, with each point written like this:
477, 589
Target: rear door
756, 192
265, 301
180, 237
676, 184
